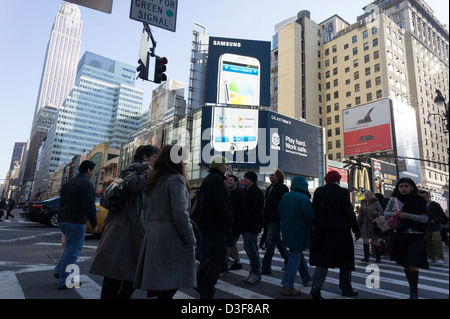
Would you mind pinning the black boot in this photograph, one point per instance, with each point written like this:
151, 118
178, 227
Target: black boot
315, 293
413, 282
377, 254
366, 253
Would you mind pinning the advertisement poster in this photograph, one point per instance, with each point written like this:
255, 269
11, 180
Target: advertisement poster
367, 128
238, 72
407, 141
260, 139
384, 177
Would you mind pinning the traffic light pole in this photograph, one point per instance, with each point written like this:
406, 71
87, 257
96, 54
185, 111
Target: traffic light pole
150, 35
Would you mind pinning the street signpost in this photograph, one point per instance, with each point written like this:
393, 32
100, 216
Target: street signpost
158, 13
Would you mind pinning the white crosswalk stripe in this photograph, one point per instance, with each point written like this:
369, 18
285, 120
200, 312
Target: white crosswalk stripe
433, 282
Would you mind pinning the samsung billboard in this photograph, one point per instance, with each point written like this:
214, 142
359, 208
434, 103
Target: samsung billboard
238, 72
253, 138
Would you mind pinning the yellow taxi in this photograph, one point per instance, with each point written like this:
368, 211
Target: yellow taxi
101, 215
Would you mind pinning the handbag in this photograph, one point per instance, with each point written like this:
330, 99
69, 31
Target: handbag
394, 222
380, 225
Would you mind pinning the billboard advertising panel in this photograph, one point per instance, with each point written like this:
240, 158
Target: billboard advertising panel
260, 139
238, 72
407, 141
384, 177
367, 128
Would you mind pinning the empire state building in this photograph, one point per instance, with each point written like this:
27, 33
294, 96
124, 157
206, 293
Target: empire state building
58, 78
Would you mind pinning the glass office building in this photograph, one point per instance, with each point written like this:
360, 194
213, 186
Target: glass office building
103, 106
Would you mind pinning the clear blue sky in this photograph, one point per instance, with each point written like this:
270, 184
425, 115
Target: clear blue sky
25, 28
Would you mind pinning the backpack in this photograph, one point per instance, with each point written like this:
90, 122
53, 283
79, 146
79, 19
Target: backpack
197, 207
113, 199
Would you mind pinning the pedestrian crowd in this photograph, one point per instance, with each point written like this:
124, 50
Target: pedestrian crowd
152, 244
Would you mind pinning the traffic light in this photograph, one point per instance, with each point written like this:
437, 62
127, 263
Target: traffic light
143, 69
160, 68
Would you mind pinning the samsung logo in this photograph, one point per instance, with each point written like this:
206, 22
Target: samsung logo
227, 43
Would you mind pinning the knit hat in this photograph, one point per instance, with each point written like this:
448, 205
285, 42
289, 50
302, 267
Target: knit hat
251, 176
332, 177
217, 161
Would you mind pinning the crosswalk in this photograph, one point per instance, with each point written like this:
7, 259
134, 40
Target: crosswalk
374, 281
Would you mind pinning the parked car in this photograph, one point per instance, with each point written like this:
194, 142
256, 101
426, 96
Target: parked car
44, 212
101, 215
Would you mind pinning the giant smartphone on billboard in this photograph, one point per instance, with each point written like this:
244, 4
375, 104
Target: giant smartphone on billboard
234, 129
238, 80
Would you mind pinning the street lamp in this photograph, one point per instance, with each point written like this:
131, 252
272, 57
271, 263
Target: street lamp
439, 99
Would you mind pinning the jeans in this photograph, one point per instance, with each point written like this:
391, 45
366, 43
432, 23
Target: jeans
251, 248
345, 275
74, 242
211, 266
296, 262
273, 239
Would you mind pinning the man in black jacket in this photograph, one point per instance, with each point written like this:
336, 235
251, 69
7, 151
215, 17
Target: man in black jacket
77, 206
436, 216
251, 222
272, 219
214, 225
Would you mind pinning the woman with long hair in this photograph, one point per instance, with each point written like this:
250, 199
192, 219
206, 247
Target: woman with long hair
408, 245
167, 257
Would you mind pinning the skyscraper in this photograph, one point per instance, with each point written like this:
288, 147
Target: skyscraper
396, 50
103, 106
58, 77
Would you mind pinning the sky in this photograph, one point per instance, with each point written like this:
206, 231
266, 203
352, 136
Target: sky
25, 28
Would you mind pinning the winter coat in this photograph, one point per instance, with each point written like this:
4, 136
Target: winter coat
167, 256
118, 250
252, 210
366, 217
272, 200
436, 214
331, 240
217, 215
297, 215
77, 202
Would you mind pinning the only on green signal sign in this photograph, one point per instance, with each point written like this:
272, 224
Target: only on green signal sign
159, 13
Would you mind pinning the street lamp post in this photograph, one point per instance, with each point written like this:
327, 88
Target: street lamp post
439, 99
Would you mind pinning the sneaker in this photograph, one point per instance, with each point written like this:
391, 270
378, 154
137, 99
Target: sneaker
236, 266
286, 291
253, 278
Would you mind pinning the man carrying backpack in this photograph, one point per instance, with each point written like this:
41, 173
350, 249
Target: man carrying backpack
118, 250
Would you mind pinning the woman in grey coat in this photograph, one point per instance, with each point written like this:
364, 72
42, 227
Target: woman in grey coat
167, 256
369, 211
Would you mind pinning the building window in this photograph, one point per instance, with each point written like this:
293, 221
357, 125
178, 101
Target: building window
366, 58
337, 131
346, 58
327, 52
355, 63
369, 97
376, 55
365, 34
357, 100
355, 51
346, 46
357, 87
374, 30
367, 71
366, 46
375, 42
354, 39
334, 48
378, 80
368, 84
356, 75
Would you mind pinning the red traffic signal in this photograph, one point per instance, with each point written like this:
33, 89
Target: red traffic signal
160, 68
